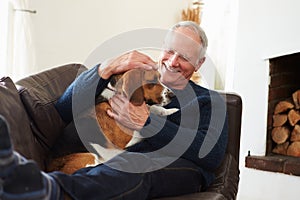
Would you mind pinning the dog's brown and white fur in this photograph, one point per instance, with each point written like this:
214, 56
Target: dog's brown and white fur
139, 86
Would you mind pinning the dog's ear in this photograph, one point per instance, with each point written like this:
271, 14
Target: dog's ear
132, 86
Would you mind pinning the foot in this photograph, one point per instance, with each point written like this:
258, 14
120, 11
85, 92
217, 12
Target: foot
8, 158
21, 179
5, 144
25, 182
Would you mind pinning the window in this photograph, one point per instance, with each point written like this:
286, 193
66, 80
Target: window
17, 55
4, 27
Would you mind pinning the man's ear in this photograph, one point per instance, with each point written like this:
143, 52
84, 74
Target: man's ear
132, 86
199, 64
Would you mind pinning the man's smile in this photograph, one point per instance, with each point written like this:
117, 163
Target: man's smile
169, 68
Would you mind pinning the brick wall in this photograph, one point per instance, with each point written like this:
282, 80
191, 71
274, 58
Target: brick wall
284, 80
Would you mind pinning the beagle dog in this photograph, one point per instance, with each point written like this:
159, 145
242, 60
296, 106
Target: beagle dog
138, 86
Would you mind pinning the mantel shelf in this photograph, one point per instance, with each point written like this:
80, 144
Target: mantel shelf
275, 163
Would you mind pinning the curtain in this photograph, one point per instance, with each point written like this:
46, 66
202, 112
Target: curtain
3, 36
20, 53
219, 20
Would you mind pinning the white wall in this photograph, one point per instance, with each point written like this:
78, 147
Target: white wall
265, 28
68, 30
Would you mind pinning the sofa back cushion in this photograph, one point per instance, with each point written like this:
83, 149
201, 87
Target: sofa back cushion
11, 108
39, 93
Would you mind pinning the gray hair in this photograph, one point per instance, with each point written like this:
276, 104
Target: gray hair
198, 30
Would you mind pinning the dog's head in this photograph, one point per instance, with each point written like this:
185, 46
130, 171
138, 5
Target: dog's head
140, 85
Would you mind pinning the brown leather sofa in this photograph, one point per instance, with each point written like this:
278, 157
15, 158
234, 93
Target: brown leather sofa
28, 106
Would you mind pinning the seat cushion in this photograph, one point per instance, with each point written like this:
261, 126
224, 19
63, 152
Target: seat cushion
12, 109
39, 93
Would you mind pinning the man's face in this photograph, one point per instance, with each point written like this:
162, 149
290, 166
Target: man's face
180, 57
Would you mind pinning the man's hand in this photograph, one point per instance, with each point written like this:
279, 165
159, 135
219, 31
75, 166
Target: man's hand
125, 62
127, 114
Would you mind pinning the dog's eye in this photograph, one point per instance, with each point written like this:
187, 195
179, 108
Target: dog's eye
150, 85
152, 81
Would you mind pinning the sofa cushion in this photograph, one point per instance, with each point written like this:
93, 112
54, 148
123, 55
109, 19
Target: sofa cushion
12, 109
39, 93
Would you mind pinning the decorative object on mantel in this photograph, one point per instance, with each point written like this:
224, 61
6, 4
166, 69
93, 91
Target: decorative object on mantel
286, 129
193, 13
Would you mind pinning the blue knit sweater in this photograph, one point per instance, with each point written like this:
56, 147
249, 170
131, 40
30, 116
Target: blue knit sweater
197, 132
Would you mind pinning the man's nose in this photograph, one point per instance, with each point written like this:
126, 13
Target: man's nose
174, 59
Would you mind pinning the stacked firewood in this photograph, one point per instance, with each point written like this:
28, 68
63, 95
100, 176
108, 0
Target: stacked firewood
286, 126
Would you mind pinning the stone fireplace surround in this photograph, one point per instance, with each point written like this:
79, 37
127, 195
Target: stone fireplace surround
284, 76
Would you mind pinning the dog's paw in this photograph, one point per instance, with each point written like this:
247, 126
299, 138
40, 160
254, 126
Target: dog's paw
161, 111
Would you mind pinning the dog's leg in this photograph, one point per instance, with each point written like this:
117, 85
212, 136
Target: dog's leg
161, 111
135, 139
117, 134
72, 162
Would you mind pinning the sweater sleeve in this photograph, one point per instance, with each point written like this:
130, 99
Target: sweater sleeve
202, 141
80, 94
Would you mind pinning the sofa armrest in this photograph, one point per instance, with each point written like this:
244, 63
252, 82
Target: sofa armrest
40, 92
227, 178
224, 187
22, 137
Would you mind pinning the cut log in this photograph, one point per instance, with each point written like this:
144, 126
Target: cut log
296, 99
283, 106
281, 148
279, 119
294, 117
294, 149
295, 135
280, 134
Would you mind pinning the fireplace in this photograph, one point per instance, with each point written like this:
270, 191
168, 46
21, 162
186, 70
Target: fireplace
284, 76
